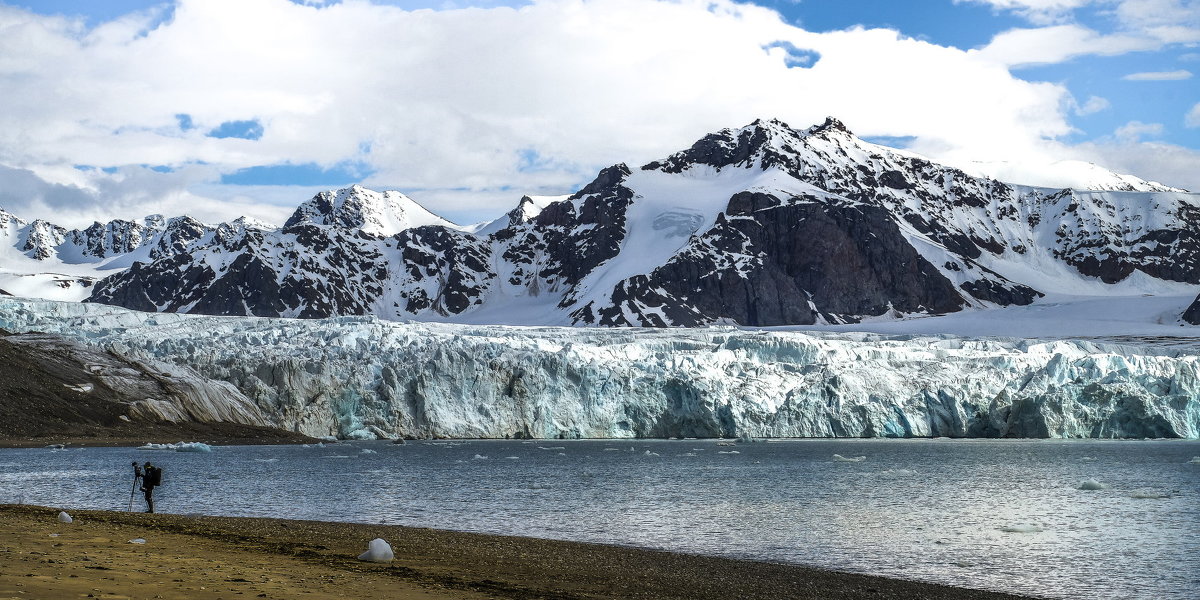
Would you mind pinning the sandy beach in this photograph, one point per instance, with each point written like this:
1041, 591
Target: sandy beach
224, 558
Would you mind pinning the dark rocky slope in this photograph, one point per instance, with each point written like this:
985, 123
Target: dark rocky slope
56, 390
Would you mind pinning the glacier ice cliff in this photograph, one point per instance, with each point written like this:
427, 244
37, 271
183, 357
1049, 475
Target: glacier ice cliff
360, 377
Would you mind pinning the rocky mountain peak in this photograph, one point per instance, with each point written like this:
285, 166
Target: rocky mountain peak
762, 144
357, 208
832, 125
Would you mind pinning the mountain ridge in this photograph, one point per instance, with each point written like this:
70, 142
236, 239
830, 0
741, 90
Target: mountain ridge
759, 225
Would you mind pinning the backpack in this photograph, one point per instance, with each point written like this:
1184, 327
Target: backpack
154, 476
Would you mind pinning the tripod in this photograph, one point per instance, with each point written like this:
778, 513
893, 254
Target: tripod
137, 475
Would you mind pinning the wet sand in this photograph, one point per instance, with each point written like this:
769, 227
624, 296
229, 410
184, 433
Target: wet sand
226, 558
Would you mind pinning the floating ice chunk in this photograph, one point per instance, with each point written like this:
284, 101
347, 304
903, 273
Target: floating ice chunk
1195, 460
687, 454
138, 541
612, 449
378, 551
328, 438
336, 456
63, 517
479, 457
1022, 528
649, 453
905, 472
728, 452
552, 447
1092, 484
840, 458
512, 457
266, 460
1150, 495
367, 451
180, 447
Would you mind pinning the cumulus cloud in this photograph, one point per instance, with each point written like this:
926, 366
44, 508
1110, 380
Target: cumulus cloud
468, 109
1159, 76
1093, 105
1192, 118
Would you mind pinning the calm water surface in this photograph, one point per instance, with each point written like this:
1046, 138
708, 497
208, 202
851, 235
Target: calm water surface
1001, 515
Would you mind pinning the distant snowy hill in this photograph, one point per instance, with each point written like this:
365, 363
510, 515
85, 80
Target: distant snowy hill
1072, 174
760, 225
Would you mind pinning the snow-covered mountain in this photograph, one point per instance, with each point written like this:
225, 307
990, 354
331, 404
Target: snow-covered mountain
760, 225
43, 260
362, 377
1074, 174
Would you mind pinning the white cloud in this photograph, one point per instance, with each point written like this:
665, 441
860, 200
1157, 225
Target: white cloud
448, 104
1129, 26
1155, 161
1192, 118
1049, 45
1171, 21
1040, 12
1133, 131
1159, 76
1093, 105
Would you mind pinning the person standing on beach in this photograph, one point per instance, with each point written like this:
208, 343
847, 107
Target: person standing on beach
151, 477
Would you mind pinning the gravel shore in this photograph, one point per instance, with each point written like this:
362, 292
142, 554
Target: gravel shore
225, 557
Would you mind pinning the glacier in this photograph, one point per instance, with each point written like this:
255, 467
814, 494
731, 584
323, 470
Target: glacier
362, 378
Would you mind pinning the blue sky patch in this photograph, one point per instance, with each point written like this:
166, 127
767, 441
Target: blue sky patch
339, 175
246, 130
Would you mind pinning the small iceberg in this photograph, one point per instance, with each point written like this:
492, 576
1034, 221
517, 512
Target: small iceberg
63, 517
378, 551
552, 447
367, 451
840, 458
138, 541
1195, 460
649, 453
1150, 495
1091, 484
479, 457
1022, 528
728, 452
180, 447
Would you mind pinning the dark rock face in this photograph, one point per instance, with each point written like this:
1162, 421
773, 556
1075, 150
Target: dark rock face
839, 261
1192, 314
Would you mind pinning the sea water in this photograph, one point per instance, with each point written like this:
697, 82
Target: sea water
1001, 515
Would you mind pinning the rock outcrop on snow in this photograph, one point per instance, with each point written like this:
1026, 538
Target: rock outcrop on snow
1192, 314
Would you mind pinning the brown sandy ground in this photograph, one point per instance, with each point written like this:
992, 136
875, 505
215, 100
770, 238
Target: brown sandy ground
227, 558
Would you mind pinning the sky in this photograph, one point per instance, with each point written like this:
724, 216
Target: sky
224, 108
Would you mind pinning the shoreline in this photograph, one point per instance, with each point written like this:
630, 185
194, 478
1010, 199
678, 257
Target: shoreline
296, 439
220, 557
